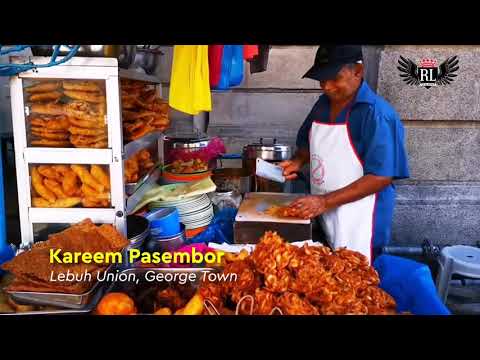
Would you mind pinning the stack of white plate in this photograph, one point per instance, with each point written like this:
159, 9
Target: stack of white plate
195, 211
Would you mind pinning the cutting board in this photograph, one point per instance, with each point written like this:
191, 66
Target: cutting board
252, 222
254, 205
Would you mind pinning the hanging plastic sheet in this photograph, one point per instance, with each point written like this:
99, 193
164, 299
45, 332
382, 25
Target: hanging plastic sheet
190, 80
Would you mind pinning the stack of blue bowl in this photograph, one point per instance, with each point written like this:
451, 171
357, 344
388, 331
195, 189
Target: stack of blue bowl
167, 233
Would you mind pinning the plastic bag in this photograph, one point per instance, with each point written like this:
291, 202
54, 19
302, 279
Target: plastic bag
411, 285
220, 229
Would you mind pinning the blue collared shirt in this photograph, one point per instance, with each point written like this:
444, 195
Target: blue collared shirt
378, 137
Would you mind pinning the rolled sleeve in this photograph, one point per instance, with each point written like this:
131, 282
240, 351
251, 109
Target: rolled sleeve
385, 153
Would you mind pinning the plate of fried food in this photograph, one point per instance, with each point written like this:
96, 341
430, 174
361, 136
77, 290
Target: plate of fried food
65, 186
143, 110
70, 113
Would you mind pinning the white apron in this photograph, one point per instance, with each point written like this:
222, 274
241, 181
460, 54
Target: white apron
335, 164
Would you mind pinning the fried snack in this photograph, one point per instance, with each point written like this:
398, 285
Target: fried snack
87, 140
54, 187
87, 124
46, 96
49, 172
91, 203
51, 123
137, 134
86, 131
94, 97
45, 130
131, 170
85, 111
59, 203
70, 183
99, 145
100, 175
48, 109
81, 86
50, 135
87, 178
51, 143
89, 192
43, 87
37, 182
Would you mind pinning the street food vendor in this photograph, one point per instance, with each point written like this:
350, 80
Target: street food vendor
354, 142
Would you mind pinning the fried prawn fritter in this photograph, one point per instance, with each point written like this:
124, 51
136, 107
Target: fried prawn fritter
51, 143
81, 85
49, 172
43, 87
100, 175
87, 178
86, 140
50, 122
89, 192
70, 183
59, 203
48, 109
46, 96
37, 182
54, 187
93, 97
50, 135
87, 124
86, 131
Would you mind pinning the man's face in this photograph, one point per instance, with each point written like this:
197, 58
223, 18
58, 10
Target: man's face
344, 85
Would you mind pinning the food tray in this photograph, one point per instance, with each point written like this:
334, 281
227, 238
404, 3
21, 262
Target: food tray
88, 308
71, 301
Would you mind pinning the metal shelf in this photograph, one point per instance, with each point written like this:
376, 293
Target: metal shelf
70, 215
68, 156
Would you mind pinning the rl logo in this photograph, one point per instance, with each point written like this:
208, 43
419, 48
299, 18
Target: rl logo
428, 73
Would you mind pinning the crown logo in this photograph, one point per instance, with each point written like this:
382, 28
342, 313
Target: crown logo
428, 63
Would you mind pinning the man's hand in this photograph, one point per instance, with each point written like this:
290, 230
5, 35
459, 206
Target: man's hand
290, 168
310, 206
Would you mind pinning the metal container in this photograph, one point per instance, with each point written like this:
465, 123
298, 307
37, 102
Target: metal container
186, 144
232, 179
138, 229
227, 199
147, 58
71, 301
268, 151
43, 299
166, 243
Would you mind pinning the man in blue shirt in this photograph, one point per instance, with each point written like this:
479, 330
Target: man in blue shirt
354, 142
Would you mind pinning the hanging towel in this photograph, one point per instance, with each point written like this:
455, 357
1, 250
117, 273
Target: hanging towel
190, 79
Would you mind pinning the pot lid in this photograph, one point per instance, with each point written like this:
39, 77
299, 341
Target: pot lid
265, 145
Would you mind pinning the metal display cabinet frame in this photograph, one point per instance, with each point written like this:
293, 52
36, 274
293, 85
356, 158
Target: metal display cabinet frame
105, 69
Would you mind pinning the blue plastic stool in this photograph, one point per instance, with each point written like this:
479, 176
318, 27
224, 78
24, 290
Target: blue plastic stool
459, 259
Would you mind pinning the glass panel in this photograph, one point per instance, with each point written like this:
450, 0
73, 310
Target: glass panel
143, 110
66, 186
66, 113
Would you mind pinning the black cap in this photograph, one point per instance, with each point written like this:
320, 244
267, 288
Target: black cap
330, 59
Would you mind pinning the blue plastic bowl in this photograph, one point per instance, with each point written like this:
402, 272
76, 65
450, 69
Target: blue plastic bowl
164, 221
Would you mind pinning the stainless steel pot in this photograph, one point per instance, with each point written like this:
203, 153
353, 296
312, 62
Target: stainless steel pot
269, 151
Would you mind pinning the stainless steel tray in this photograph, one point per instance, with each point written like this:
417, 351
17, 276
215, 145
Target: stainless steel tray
63, 311
71, 301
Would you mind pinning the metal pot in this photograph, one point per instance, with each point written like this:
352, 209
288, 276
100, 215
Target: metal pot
147, 58
269, 151
229, 179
